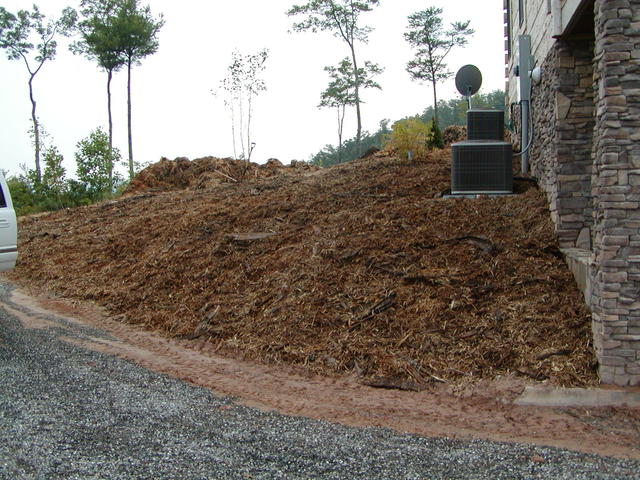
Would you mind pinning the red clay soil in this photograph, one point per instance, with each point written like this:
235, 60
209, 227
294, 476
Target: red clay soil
464, 410
359, 269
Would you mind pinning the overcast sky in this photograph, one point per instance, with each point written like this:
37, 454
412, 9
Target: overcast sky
174, 112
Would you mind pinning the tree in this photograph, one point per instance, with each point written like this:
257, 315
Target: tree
340, 17
454, 111
412, 135
243, 84
340, 92
99, 42
30, 37
136, 31
53, 179
433, 43
95, 160
329, 154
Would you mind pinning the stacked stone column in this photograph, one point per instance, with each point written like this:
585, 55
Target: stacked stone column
616, 192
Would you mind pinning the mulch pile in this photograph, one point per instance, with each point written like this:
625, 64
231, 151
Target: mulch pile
362, 268
207, 172
453, 134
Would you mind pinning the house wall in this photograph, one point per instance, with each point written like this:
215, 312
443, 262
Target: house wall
616, 191
586, 156
563, 116
537, 22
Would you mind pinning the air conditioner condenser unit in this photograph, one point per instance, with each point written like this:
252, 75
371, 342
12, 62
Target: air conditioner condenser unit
485, 124
481, 167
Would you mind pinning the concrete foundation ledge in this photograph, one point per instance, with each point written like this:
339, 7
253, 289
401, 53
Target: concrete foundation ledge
579, 262
579, 397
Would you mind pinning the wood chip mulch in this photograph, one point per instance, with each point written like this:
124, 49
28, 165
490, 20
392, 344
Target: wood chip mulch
358, 269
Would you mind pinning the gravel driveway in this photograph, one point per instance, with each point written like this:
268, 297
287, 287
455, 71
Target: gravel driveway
67, 412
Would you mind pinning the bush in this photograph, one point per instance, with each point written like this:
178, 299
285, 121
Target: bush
436, 136
411, 135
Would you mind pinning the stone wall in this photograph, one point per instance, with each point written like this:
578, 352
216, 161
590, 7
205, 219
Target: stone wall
616, 192
543, 154
586, 157
575, 114
564, 109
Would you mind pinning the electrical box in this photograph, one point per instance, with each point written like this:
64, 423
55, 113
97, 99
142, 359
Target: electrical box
524, 65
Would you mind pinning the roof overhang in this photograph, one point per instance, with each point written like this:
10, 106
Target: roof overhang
573, 16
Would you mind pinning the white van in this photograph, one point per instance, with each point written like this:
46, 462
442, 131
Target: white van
8, 229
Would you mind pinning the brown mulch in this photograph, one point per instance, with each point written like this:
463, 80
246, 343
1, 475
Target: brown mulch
207, 172
453, 134
361, 268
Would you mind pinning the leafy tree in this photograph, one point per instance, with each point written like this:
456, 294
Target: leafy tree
99, 42
30, 37
454, 111
427, 35
29, 196
411, 135
340, 92
95, 159
350, 149
53, 179
340, 17
22, 194
136, 31
243, 84
451, 112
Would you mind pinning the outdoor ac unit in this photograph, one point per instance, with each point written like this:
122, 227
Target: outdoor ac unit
485, 125
481, 167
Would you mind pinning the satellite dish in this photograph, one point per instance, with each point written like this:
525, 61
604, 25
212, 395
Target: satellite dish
468, 81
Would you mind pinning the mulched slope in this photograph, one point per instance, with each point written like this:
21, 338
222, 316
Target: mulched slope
207, 172
359, 268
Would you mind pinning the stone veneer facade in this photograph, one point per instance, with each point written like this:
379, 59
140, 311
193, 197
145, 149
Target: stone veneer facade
586, 157
616, 193
563, 107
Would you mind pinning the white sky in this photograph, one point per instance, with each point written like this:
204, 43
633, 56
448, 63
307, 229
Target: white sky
174, 112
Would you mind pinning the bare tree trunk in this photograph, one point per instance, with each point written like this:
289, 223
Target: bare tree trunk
249, 149
233, 129
357, 93
241, 126
131, 170
36, 131
435, 104
340, 127
109, 77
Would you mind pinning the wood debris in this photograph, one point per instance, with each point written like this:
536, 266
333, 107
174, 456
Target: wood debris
367, 269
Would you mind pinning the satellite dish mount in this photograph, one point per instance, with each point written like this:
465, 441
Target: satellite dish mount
468, 81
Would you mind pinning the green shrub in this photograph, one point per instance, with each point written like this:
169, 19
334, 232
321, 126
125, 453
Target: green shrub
410, 135
436, 140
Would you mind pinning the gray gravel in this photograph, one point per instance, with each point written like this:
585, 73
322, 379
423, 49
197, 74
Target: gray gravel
66, 412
